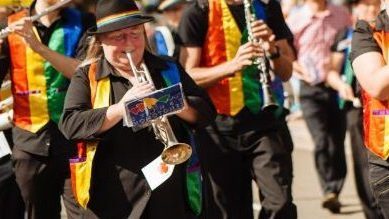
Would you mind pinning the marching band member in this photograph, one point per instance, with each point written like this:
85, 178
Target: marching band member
342, 79
246, 142
94, 110
166, 39
40, 56
369, 58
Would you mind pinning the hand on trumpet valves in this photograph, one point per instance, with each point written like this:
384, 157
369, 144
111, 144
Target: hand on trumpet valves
138, 90
244, 57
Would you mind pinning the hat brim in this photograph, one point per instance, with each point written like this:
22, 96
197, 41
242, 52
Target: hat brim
125, 23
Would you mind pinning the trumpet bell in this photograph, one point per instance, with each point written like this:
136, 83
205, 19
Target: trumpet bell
176, 153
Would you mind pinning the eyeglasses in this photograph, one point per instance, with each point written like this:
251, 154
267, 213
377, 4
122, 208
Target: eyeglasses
132, 34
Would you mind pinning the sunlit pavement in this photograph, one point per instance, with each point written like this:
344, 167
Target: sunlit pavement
306, 189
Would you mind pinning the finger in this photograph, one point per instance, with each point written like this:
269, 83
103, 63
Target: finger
263, 34
247, 62
272, 38
257, 23
245, 46
248, 50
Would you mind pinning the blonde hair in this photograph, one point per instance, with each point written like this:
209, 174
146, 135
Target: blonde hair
95, 50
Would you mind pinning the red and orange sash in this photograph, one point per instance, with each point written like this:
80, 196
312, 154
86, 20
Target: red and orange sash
376, 112
81, 166
38, 89
223, 40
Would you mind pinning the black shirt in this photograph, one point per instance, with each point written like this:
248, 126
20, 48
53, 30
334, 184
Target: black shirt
39, 143
193, 30
121, 151
363, 40
194, 22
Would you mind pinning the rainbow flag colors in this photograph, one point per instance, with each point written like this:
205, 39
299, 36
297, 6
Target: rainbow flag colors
242, 89
38, 88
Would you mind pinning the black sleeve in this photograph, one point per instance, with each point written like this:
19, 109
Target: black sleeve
276, 21
79, 121
198, 99
363, 41
340, 36
4, 56
193, 25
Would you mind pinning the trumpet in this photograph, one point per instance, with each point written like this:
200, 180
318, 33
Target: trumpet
174, 151
6, 31
262, 62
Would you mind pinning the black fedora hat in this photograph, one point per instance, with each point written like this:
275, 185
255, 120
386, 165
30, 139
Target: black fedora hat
114, 15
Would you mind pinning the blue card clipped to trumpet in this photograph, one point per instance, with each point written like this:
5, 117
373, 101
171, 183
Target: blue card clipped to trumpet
140, 112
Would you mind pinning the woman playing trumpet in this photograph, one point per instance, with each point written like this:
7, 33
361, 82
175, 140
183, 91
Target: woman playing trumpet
94, 110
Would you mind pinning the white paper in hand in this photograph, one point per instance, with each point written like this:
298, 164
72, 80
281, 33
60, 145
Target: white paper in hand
157, 172
4, 146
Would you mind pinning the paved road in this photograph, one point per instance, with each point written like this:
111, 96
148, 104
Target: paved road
306, 189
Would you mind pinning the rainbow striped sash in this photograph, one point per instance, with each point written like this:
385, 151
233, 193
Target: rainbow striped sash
231, 94
38, 89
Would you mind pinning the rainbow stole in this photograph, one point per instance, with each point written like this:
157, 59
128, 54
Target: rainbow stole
376, 112
231, 94
38, 88
81, 166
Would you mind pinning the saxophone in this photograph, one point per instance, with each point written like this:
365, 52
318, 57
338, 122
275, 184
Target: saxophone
262, 63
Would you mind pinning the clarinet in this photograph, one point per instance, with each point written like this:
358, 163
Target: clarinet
6, 31
269, 104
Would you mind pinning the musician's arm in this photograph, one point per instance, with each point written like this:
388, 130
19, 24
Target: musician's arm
282, 65
79, 120
192, 32
333, 78
368, 62
64, 64
199, 110
204, 76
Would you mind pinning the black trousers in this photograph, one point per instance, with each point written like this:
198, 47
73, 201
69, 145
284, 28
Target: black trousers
361, 164
230, 161
379, 182
327, 126
11, 202
42, 181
